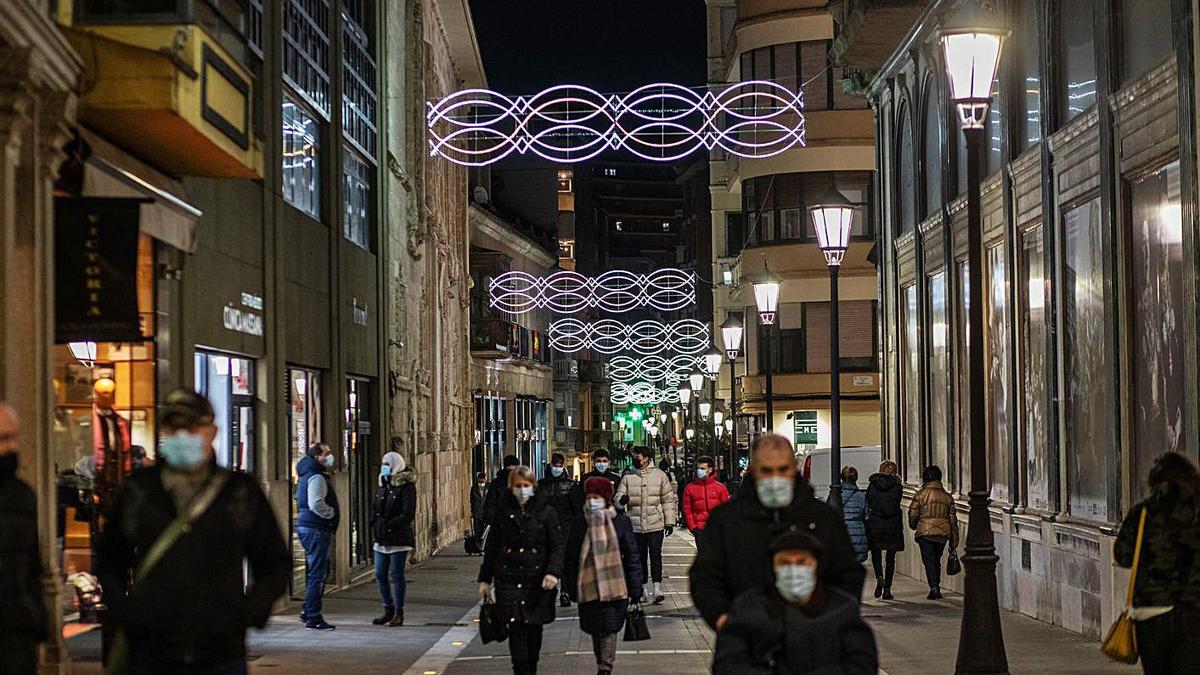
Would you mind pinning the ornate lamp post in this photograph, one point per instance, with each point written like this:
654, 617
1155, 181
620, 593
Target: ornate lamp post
766, 296
972, 51
731, 336
833, 217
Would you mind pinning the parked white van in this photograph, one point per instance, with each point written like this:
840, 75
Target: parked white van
814, 465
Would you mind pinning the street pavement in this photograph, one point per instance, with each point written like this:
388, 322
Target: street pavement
440, 635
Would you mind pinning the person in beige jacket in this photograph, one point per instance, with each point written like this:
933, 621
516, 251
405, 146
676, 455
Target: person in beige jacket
931, 514
649, 499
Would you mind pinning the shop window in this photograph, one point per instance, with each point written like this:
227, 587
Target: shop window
304, 429
1145, 37
306, 51
962, 336
361, 459
937, 342
1033, 291
228, 384
910, 369
1028, 43
1157, 321
1078, 49
357, 194
301, 158
1090, 406
932, 140
996, 362
358, 75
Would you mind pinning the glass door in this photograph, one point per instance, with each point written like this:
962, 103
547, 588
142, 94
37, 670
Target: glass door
361, 460
228, 384
304, 429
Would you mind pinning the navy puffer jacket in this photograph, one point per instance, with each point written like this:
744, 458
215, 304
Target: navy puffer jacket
854, 512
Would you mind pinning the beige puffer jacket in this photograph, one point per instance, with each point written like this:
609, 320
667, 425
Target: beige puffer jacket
651, 499
931, 513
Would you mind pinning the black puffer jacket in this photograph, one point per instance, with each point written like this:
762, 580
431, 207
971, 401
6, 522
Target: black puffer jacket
735, 559
393, 511
22, 610
885, 520
524, 546
564, 496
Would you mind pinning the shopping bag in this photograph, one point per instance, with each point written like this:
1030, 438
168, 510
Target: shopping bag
491, 627
635, 625
953, 566
1121, 642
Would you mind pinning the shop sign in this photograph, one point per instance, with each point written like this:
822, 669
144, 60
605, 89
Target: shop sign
805, 422
95, 258
244, 319
863, 380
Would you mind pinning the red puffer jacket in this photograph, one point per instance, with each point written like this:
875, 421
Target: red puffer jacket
700, 497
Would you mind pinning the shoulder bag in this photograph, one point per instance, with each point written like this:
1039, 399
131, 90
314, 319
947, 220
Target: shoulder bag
953, 565
1121, 642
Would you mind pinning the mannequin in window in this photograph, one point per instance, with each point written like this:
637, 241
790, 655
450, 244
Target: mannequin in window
111, 445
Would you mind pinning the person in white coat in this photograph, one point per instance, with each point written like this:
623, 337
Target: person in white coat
649, 498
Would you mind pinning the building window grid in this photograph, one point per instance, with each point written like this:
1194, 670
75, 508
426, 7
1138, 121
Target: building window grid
358, 175
254, 27
359, 101
306, 51
775, 208
301, 158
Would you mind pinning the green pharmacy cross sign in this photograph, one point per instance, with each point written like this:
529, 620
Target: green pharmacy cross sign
805, 423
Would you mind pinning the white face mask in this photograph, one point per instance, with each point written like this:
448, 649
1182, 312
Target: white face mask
522, 493
596, 504
557, 471
796, 582
775, 492
602, 466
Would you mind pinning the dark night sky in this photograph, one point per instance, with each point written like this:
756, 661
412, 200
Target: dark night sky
609, 45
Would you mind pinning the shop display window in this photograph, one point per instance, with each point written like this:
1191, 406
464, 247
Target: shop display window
228, 384
304, 429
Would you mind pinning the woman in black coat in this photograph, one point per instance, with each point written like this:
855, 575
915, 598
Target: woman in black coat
522, 564
392, 515
885, 525
603, 619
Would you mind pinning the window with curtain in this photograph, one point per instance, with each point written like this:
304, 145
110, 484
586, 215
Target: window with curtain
1033, 292
856, 330
1090, 408
937, 340
1077, 51
932, 140
910, 369
996, 361
1145, 37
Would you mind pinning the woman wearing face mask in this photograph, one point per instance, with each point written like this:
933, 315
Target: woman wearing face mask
603, 570
797, 624
392, 515
522, 564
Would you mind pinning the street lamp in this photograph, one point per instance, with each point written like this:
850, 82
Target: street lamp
717, 417
766, 296
685, 393
731, 336
833, 217
712, 362
696, 380
972, 48
705, 409
690, 433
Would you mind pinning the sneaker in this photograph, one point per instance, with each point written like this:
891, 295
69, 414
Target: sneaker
320, 624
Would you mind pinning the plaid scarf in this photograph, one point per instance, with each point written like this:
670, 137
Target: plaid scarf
601, 575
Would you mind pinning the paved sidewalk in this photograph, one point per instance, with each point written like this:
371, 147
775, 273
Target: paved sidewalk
440, 634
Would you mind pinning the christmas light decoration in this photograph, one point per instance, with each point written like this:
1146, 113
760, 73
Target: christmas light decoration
614, 291
641, 393
651, 368
659, 122
609, 336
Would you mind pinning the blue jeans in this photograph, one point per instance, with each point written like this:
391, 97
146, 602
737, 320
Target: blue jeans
393, 563
316, 557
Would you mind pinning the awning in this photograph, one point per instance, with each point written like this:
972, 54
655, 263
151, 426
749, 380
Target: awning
111, 172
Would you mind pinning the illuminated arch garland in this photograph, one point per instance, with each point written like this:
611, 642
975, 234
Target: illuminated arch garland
613, 291
670, 370
646, 338
641, 393
660, 122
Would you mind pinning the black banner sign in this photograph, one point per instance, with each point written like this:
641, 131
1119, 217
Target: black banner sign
95, 257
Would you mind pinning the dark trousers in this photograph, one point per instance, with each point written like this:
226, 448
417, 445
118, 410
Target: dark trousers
1168, 643
650, 549
389, 567
524, 645
698, 536
18, 654
877, 562
931, 557
316, 557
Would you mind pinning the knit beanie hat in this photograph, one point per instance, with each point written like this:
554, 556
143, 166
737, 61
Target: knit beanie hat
597, 485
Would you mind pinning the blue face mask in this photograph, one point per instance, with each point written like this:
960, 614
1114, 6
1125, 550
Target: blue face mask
385, 470
602, 466
557, 471
182, 450
328, 461
701, 473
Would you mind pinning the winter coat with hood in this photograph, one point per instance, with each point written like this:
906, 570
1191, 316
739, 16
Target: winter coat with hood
854, 513
1169, 567
735, 557
885, 518
608, 616
700, 497
395, 505
651, 495
931, 513
766, 635
22, 611
524, 546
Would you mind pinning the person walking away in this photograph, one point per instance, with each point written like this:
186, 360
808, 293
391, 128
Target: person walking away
1166, 592
392, 515
24, 621
651, 508
172, 560
772, 499
317, 516
478, 493
854, 512
885, 527
602, 467
562, 493
932, 515
603, 572
521, 567
701, 496
797, 624
497, 488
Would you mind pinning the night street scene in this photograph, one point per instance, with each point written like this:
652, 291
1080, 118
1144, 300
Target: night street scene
455, 337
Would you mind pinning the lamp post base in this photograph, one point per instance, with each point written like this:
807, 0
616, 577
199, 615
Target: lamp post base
981, 641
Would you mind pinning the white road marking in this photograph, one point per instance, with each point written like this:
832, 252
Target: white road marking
444, 651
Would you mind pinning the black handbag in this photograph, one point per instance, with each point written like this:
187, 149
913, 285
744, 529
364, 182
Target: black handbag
635, 625
491, 627
953, 566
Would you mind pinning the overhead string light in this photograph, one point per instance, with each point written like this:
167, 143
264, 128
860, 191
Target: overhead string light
641, 393
670, 370
659, 122
614, 291
644, 338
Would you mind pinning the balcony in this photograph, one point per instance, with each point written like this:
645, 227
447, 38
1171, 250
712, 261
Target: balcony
490, 338
165, 80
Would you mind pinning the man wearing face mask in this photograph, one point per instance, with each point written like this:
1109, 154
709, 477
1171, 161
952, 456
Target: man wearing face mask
317, 516
181, 530
651, 507
562, 493
602, 468
772, 499
797, 624
701, 496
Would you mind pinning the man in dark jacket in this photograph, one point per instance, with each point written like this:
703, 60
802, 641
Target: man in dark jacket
191, 608
497, 488
317, 516
772, 499
562, 493
602, 468
478, 494
23, 619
